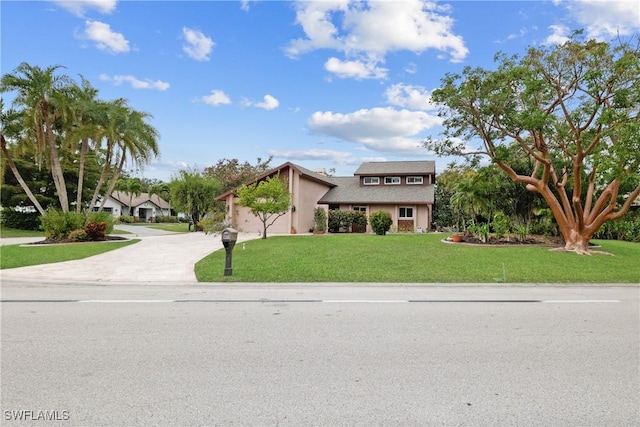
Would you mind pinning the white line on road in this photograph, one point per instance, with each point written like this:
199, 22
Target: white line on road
109, 301
572, 301
338, 301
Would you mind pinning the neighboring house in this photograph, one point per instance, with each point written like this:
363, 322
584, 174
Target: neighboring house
145, 207
404, 189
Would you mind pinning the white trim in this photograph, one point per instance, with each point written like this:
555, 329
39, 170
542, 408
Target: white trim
421, 178
392, 180
374, 180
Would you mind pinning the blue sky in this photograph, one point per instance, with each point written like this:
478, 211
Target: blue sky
324, 84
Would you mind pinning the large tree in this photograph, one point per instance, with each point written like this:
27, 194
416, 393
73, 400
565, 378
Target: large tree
65, 126
267, 199
194, 193
571, 109
232, 174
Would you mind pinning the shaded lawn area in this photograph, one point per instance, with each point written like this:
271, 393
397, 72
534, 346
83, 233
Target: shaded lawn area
13, 256
415, 258
6, 232
170, 226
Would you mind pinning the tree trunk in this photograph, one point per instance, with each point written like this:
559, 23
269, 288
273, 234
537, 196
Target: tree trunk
83, 154
16, 173
577, 242
56, 168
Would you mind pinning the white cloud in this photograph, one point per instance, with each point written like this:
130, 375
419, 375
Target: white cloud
341, 157
380, 129
559, 35
408, 96
78, 7
373, 29
355, 69
606, 19
136, 83
268, 103
198, 46
244, 4
217, 97
104, 38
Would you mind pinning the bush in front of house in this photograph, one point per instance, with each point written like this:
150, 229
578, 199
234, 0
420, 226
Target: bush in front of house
79, 235
96, 230
165, 218
103, 216
319, 219
57, 224
126, 219
12, 218
380, 222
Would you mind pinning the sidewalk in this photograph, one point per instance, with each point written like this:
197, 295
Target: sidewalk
158, 258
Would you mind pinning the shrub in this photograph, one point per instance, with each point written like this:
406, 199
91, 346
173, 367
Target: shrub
96, 230
344, 220
126, 219
57, 224
20, 220
380, 222
360, 220
105, 217
319, 219
78, 235
163, 218
501, 224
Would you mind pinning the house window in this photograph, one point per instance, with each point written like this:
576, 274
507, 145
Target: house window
333, 207
393, 180
405, 213
371, 180
414, 180
362, 209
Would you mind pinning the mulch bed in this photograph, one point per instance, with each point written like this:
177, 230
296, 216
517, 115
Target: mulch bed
61, 241
513, 241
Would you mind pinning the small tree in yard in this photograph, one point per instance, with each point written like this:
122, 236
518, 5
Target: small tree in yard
268, 200
380, 222
572, 110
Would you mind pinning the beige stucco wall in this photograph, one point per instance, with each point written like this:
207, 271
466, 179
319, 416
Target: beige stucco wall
304, 196
422, 213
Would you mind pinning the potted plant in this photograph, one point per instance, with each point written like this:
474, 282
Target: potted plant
319, 220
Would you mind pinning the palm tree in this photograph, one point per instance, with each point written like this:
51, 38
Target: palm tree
163, 191
83, 129
126, 136
41, 96
131, 186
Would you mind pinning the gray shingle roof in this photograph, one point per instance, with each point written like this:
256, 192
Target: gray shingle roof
349, 191
418, 167
123, 198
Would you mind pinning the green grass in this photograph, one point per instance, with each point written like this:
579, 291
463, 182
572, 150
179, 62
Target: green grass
13, 256
6, 232
415, 258
168, 226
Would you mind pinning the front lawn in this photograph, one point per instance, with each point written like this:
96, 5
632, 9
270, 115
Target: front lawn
6, 232
182, 227
13, 256
414, 258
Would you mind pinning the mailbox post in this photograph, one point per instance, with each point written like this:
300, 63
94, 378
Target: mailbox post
229, 238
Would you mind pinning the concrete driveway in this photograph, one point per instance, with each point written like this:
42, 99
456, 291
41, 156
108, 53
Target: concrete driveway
160, 257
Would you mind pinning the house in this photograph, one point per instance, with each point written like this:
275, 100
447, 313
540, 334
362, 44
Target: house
405, 189
145, 206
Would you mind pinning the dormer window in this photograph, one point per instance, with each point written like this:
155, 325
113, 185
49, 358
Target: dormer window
414, 180
371, 180
392, 180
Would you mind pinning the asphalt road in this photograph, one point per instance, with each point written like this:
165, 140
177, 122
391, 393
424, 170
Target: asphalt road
320, 355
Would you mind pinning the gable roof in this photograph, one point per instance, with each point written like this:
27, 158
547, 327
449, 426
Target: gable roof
349, 191
314, 176
123, 197
417, 167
